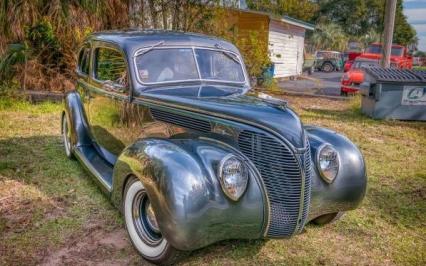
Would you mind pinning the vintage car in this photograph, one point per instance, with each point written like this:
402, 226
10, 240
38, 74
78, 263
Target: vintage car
355, 75
165, 123
328, 61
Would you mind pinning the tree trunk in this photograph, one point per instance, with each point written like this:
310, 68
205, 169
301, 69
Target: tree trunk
165, 13
153, 12
135, 16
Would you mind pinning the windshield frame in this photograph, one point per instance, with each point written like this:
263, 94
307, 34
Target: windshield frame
142, 50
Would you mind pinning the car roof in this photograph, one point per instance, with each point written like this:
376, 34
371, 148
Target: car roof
132, 40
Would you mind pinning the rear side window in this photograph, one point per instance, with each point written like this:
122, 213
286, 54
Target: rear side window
83, 59
110, 66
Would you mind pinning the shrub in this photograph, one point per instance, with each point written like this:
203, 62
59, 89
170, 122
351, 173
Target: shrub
254, 50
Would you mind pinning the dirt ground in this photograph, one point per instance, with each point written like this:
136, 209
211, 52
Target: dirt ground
51, 213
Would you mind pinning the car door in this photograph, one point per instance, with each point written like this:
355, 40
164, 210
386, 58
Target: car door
109, 99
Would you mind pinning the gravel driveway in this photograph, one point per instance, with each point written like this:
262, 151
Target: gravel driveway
319, 83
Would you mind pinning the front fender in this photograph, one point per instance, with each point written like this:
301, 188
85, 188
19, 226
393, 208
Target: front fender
348, 189
191, 208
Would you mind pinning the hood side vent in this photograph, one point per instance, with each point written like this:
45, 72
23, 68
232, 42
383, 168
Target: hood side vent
181, 120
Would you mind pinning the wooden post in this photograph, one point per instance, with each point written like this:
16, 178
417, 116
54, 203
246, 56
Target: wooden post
388, 34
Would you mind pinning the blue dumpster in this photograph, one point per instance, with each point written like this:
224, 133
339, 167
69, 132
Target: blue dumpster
389, 93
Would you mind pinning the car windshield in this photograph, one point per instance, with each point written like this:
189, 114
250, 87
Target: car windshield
376, 49
187, 64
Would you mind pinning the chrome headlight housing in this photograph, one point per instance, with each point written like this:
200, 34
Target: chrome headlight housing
233, 175
328, 162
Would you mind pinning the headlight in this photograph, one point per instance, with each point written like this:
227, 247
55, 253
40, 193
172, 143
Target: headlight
328, 162
233, 176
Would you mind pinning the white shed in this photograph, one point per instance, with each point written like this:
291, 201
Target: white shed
286, 46
285, 36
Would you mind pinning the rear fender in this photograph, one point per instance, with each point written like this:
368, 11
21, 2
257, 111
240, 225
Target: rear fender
77, 119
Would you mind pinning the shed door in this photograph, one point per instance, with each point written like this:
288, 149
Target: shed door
286, 43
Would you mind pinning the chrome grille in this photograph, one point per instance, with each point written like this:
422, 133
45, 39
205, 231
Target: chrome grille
283, 180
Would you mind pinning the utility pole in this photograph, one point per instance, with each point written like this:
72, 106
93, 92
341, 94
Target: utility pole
389, 26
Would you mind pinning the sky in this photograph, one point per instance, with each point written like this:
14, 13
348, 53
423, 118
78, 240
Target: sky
415, 10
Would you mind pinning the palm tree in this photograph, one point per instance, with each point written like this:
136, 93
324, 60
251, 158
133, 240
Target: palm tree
329, 36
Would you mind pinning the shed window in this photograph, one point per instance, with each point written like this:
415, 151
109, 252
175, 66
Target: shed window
110, 66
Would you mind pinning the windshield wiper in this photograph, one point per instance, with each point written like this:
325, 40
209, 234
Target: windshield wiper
150, 48
227, 54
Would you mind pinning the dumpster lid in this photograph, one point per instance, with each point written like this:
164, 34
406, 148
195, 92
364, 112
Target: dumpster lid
396, 75
421, 73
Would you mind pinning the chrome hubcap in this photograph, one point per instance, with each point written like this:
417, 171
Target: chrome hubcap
150, 215
144, 220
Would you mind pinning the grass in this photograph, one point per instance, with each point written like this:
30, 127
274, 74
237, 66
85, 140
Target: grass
419, 67
51, 211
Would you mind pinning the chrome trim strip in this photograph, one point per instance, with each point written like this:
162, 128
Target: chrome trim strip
302, 194
92, 170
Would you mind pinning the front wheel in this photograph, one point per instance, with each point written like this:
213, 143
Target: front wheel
142, 226
327, 67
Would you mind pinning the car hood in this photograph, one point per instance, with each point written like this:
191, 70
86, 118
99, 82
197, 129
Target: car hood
278, 120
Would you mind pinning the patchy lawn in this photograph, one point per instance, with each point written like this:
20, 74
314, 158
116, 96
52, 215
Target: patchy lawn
52, 213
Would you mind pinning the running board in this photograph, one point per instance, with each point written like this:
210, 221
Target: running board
96, 165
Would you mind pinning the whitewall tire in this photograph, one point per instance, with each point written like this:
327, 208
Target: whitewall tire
66, 137
142, 226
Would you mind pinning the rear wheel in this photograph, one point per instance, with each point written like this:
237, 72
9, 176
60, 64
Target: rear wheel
66, 136
327, 67
142, 226
327, 218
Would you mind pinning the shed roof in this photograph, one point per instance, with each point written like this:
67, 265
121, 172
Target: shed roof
285, 19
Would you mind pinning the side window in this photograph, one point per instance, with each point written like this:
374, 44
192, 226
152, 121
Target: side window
110, 66
83, 59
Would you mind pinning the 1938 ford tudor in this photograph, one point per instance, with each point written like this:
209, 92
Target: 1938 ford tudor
163, 122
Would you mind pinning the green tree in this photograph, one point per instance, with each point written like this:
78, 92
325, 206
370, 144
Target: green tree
359, 17
300, 9
329, 36
404, 33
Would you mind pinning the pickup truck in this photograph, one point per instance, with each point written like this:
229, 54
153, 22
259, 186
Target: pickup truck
399, 56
